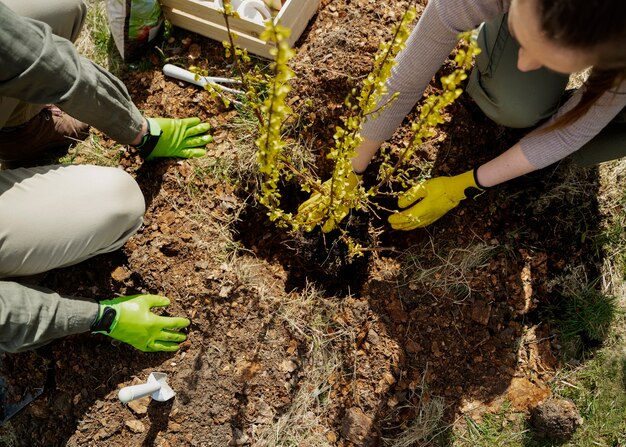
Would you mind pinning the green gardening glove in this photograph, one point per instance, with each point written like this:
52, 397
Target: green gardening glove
439, 195
128, 319
316, 207
183, 138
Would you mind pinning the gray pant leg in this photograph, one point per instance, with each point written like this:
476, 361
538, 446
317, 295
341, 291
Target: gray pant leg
66, 18
608, 145
56, 216
508, 96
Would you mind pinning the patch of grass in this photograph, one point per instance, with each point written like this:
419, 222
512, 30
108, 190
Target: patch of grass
598, 388
597, 385
8, 437
591, 313
583, 318
613, 238
92, 152
612, 198
569, 198
95, 42
504, 429
238, 163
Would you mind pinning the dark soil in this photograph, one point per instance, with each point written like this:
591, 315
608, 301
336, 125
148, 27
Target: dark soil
417, 338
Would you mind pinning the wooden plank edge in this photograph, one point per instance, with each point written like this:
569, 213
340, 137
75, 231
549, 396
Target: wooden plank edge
217, 32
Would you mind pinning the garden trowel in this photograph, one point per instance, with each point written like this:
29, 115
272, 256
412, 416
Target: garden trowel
193, 78
156, 387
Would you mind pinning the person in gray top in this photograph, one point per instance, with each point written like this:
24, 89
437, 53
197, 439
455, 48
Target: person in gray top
57, 216
529, 49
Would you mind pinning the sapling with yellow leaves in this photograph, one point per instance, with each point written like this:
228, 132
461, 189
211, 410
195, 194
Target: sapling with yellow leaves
273, 163
343, 192
332, 200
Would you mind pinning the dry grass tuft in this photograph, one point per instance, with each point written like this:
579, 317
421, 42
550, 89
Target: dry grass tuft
307, 314
426, 425
426, 269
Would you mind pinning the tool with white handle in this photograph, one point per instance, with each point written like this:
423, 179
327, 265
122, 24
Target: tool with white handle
188, 76
156, 387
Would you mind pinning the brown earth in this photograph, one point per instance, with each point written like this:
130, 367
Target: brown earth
409, 324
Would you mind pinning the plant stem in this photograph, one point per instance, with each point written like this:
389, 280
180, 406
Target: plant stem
244, 81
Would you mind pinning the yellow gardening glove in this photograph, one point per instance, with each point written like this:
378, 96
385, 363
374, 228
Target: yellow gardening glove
439, 195
316, 207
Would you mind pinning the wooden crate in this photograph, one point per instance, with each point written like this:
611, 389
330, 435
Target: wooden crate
199, 17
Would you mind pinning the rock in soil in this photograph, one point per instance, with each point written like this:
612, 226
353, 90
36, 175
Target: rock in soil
556, 419
357, 427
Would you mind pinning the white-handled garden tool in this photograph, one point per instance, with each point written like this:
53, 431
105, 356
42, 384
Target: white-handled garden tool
156, 387
188, 76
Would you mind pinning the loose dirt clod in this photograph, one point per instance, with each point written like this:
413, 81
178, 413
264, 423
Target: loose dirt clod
556, 419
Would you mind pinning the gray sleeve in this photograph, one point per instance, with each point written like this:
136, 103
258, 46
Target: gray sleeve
31, 316
432, 40
544, 148
41, 68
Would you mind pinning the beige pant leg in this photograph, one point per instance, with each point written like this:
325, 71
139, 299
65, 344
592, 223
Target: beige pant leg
66, 18
56, 216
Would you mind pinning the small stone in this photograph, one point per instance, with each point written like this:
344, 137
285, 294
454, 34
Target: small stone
389, 378
481, 311
173, 427
356, 426
392, 402
288, 365
194, 51
135, 426
40, 409
202, 265
373, 337
120, 274
139, 406
103, 433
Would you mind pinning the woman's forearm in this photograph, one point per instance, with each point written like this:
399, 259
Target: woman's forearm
509, 165
364, 154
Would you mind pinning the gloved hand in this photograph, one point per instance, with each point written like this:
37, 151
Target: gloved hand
184, 138
128, 319
439, 195
316, 206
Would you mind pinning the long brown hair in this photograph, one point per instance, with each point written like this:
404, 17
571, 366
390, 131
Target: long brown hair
595, 26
